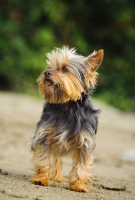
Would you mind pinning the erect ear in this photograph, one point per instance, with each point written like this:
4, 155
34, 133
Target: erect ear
95, 59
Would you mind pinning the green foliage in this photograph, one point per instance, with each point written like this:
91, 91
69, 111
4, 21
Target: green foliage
31, 28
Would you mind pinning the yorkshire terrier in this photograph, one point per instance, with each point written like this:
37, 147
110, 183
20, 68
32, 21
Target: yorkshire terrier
68, 123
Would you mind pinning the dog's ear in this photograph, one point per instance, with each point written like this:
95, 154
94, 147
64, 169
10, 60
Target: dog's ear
95, 59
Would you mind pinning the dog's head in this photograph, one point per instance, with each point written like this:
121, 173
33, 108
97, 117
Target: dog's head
68, 75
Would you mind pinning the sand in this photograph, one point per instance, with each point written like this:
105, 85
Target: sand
114, 174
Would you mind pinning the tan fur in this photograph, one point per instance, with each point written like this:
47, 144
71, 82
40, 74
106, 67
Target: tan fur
41, 160
71, 87
81, 171
93, 62
70, 91
65, 86
78, 186
56, 174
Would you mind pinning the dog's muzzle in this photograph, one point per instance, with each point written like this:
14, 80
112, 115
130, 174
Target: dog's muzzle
48, 74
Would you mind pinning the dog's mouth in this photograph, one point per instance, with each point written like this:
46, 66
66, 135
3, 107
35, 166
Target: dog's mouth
49, 82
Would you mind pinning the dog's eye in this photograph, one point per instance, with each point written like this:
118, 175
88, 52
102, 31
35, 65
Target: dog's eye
64, 69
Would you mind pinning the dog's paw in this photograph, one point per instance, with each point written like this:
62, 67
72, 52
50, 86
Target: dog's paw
78, 186
40, 180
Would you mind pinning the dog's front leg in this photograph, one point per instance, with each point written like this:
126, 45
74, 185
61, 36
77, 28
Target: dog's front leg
81, 171
41, 160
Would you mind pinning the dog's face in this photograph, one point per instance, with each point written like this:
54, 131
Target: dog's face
68, 75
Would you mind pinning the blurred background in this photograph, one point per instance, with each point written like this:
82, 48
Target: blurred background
29, 29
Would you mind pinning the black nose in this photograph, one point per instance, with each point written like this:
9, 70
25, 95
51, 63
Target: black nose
48, 74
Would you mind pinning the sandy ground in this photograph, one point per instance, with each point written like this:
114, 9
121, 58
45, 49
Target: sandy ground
114, 174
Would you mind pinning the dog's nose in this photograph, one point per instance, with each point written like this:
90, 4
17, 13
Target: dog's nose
48, 73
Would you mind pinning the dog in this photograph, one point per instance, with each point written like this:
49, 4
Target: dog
68, 123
